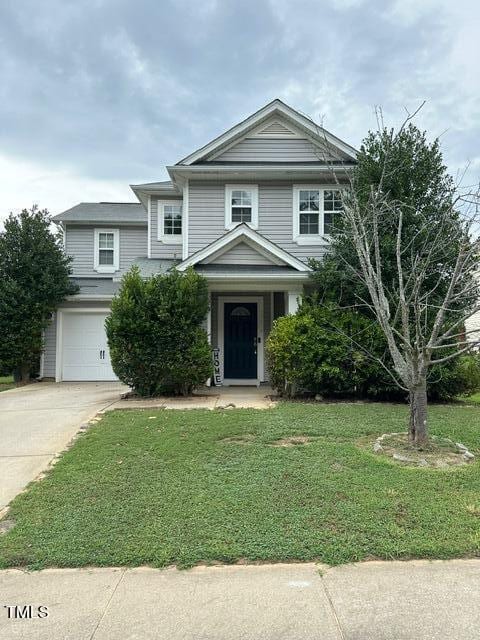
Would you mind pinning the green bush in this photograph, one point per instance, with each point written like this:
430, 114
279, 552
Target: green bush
313, 352
323, 349
157, 345
460, 378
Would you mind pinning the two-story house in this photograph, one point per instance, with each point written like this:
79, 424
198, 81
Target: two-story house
247, 211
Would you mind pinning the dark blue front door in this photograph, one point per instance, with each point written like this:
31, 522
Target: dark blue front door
240, 331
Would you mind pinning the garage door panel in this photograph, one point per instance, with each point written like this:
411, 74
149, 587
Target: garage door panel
85, 354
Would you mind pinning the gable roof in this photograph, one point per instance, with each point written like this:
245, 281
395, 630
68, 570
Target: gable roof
274, 108
243, 233
117, 212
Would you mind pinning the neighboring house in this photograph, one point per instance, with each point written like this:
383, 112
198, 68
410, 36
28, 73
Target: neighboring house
247, 211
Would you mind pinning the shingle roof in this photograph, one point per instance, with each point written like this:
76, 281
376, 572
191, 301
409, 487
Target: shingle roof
118, 212
151, 266
155, 186
96, 286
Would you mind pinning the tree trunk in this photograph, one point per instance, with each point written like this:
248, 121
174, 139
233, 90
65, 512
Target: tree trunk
24, 374
418, 431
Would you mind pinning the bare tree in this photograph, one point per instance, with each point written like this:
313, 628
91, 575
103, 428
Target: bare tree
421, 311
420, 329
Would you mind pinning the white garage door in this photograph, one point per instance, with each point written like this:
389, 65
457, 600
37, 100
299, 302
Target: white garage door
85, 348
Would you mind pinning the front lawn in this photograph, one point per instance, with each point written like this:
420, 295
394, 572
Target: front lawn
183, 487
6, 382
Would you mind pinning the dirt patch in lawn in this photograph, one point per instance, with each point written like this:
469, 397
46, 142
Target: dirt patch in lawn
438, 453
292, 441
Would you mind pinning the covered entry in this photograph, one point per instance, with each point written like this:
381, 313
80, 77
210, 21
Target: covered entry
241, 338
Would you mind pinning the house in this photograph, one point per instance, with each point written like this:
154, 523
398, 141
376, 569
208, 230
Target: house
247, 211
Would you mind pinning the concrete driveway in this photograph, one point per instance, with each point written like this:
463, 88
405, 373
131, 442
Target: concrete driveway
38, 421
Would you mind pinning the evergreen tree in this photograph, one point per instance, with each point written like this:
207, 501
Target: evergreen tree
34, 280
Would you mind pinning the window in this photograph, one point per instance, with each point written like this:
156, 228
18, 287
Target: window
315, 211
241, 205
170, 222
106, 257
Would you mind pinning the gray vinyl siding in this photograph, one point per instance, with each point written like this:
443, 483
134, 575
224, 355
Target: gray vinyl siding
274, 150
50, 347
158, 248
275, 216
242, 254
267, 316
80, 244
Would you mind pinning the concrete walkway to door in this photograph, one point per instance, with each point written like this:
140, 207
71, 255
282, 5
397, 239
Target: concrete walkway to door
241, 397
38, 421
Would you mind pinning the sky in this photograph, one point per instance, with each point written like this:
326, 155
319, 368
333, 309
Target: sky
99, 94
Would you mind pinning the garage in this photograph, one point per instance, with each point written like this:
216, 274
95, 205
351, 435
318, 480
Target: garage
84, 353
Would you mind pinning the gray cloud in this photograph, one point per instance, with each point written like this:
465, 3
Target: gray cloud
113, 90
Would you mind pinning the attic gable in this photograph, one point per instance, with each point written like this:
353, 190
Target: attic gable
242, 252
275, 121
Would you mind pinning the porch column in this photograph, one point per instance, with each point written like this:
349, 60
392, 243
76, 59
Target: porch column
292, 301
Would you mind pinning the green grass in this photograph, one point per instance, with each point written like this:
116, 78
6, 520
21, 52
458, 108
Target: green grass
6, 382
475, 399
170, 490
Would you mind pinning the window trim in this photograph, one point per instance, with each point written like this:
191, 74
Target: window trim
106, 268
168, 238
229, 224
311, 239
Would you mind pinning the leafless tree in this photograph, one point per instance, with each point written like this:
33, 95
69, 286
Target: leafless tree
423, 323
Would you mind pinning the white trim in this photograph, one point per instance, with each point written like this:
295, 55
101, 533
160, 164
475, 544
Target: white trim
244, 231
292, 301
319, 238
229, 188
59, 339
161, 235
185, 221
149, 227
260, 334
104, 268
42, 356
276, 107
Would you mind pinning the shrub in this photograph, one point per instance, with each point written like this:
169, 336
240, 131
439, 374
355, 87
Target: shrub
460, 378
157, 345
312, 351
323, 349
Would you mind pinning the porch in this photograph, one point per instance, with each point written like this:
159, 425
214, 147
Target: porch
238, 325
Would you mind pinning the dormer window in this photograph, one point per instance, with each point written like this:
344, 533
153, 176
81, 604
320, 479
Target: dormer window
106, 257
241, 205
170, 221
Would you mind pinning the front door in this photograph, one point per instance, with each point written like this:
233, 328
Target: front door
240, 347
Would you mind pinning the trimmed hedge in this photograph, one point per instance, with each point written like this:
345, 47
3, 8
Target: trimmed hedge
157, 344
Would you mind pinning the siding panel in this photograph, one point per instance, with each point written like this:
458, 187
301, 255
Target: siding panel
158, 248
242, 254
275, 217
274, 150
80, 245
50, 347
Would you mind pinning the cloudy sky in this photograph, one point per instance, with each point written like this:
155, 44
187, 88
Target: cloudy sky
97, 94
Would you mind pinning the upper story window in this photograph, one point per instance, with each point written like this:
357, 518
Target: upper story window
107, 252
241, 205
170, 221
314, 212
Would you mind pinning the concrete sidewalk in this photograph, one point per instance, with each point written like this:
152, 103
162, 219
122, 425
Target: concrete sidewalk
370, 601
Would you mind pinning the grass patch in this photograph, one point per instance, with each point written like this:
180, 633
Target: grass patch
6, 382
177, 490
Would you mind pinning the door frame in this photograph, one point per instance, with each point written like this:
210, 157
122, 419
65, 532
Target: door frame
59, 339
221, 338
